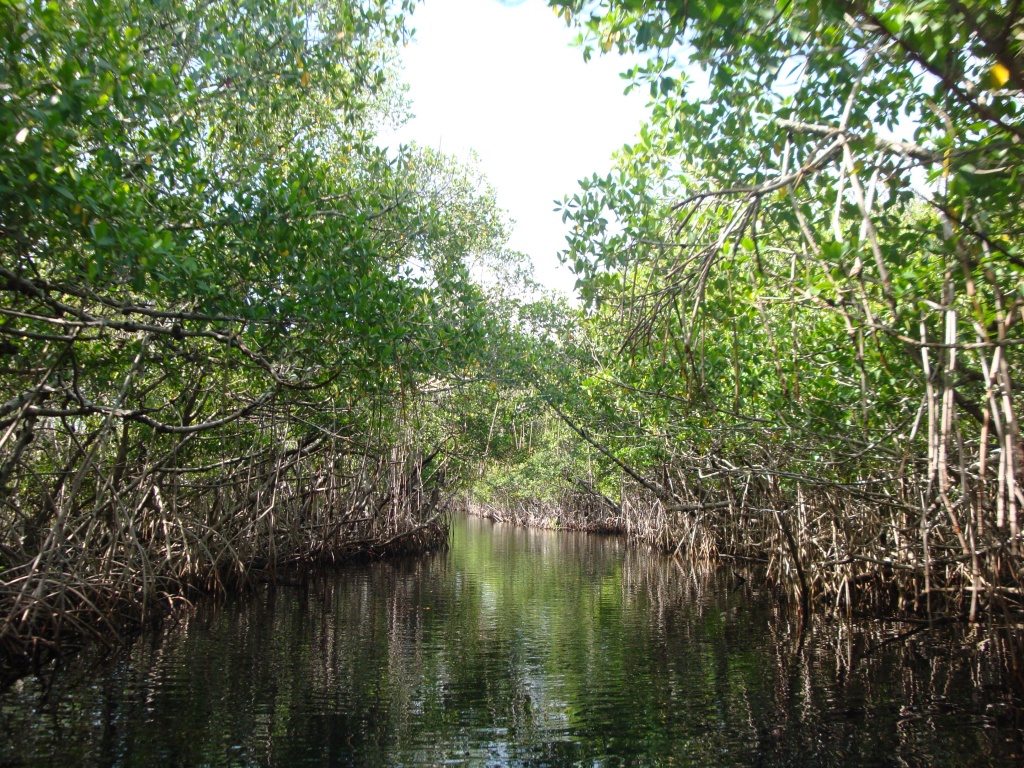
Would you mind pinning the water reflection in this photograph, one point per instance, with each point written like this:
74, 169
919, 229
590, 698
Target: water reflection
526, 648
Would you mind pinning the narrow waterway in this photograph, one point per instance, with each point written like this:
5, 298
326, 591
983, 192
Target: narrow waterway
522, 648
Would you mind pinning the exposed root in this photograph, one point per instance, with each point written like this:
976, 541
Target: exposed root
850, 550
101, 579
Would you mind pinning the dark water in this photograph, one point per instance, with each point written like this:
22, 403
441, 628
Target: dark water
521, 648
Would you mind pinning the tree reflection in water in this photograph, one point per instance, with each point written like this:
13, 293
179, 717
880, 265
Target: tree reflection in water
524, 647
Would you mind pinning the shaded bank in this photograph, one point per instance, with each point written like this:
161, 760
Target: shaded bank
825, 557
53, 606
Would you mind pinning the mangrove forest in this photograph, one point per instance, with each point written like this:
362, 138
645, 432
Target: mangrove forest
246, 346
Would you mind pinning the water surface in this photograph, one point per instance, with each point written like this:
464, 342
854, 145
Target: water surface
521, 648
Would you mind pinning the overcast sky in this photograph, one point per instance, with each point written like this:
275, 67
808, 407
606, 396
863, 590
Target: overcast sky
503, 79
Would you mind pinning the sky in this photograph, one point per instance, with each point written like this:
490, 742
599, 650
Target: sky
501, 78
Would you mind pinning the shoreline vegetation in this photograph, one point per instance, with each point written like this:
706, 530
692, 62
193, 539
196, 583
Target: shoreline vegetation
833, 547
108, 616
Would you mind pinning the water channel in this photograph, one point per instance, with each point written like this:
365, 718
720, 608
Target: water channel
521, 647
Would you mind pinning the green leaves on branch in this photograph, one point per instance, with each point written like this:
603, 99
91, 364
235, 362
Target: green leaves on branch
820, 215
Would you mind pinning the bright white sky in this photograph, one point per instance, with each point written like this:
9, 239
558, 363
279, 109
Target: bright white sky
502, 79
